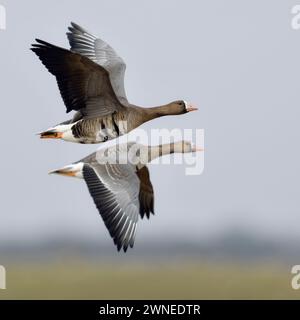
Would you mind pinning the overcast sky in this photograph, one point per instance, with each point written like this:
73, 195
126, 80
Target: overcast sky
238, 61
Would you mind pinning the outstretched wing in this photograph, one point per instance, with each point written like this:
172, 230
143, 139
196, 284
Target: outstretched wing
115, 190
84, 85
146, 195
88, 45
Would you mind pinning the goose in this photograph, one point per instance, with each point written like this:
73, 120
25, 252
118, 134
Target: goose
90, 78
122, 190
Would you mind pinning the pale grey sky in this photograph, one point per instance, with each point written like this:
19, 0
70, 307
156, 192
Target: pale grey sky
239, 61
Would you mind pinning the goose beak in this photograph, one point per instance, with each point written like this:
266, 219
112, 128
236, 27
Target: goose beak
190, 107
196, 148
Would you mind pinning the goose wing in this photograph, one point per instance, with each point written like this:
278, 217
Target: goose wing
115, 191
146, 195
84, 85
88, 45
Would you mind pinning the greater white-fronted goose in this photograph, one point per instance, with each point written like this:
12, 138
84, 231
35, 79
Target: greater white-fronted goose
122, 190
90, 78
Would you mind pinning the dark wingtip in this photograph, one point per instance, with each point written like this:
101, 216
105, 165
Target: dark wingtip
119, 247
39, 40
41, 43
75, 25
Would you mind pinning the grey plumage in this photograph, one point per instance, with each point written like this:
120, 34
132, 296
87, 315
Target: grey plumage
119, 182
121, 192
116, 199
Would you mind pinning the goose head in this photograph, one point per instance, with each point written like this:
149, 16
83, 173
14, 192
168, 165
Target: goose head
181, 106
185, 147
173, 108
170, 148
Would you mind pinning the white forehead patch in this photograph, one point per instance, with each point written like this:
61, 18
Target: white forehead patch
185, 104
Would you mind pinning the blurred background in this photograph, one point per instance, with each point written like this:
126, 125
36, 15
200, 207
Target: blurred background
231, 232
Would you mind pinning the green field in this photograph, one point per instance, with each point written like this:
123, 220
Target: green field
76, 279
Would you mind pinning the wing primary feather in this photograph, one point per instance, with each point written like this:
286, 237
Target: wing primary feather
118, 213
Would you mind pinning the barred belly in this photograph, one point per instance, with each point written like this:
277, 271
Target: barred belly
98, 130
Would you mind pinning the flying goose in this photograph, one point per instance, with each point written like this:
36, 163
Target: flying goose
122, 190
90, 78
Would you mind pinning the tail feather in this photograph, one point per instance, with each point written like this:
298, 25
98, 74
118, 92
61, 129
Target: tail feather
51, 134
